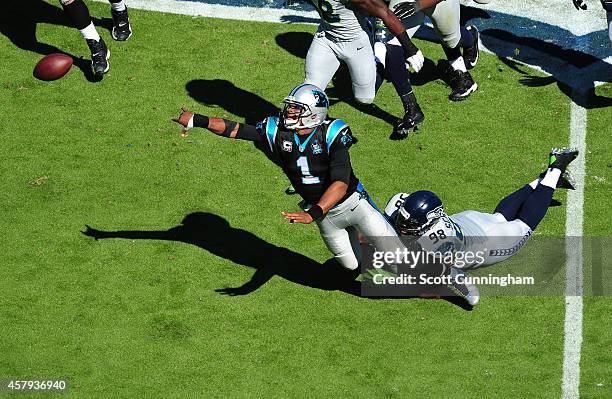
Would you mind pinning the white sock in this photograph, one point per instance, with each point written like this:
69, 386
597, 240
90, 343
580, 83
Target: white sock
90, 32
534, 183
551, 178
380, 52
118, 6
458, 65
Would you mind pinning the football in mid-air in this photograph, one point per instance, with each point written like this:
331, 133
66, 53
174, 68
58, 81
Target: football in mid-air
53, 66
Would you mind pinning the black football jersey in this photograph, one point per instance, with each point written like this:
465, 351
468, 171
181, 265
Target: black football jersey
313, 161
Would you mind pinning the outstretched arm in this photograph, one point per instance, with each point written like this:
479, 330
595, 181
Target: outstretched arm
219, 126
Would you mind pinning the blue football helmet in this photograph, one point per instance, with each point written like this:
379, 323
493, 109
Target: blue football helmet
419, 212
305, 107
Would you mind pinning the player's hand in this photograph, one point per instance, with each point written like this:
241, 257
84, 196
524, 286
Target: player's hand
297, 217
406, 9
580, 4
90, 232
185, 119
416, 61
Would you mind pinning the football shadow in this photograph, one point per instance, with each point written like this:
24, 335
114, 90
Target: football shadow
19, 20
215, 235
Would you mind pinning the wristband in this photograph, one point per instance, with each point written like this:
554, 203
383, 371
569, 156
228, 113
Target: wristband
407, 44
316, 212
200, 121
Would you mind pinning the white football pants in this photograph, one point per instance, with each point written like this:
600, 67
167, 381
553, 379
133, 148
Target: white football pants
342, 224
323, 60
445, 17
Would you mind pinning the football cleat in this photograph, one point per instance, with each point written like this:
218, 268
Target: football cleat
565, 181
122, 29
99, 56
471, 54
412, 117
461, 83
468, 291
560, 158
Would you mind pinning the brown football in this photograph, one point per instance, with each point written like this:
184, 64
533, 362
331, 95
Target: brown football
53, 66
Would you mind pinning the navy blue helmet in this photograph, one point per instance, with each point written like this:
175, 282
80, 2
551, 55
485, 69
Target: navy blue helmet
418, 213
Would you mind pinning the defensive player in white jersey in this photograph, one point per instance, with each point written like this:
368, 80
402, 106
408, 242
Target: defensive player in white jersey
495, 236
344, 35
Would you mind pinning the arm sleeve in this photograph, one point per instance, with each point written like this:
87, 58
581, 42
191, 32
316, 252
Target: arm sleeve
340, 162
250, 133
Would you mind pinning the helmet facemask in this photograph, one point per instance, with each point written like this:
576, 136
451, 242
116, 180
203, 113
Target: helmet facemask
298, 118
411, 226
305, 107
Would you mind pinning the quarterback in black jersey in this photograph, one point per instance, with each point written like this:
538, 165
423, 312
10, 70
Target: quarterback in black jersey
313, 153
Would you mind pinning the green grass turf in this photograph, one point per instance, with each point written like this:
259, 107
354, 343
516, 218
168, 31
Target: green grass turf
141, 318
596, 378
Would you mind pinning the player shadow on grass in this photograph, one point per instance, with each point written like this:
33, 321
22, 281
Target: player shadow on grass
242, 103
215, 235
19, 20
575, 63
233, 99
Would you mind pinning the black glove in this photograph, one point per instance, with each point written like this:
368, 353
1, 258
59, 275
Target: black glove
408, 9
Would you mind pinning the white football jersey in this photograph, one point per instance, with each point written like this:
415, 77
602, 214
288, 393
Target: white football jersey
341, 19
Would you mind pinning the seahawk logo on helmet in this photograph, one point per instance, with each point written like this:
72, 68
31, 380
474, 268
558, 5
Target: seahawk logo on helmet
418, 213
305, 107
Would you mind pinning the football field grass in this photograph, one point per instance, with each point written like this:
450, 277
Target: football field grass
144, 311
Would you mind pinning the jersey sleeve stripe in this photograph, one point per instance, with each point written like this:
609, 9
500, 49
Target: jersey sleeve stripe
271, 129
333, 130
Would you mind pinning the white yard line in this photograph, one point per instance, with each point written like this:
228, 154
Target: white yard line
573, 263
219, 11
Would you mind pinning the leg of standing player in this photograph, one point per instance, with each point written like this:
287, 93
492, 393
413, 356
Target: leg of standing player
321, 61
78, 14
446, 18
359, 58
398, 74
121, 22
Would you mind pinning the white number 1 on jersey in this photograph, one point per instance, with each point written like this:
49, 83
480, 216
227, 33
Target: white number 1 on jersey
307, 178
